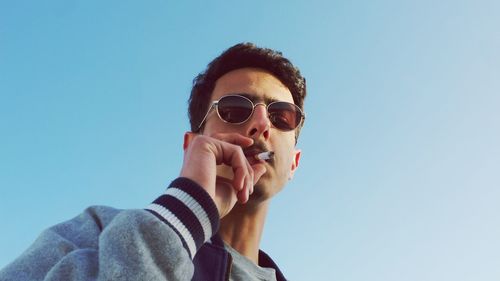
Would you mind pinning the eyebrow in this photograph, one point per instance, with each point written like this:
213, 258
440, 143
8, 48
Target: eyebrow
254, 99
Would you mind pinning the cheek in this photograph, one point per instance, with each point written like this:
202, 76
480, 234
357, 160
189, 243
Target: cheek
284, 149
284, 163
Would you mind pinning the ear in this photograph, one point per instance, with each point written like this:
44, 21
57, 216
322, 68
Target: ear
295, 162
188, 137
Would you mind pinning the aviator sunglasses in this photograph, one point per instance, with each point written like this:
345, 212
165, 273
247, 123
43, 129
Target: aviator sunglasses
236, 109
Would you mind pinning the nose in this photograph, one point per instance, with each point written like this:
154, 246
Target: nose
259, 123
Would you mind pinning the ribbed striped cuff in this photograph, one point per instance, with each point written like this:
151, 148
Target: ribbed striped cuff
190, 211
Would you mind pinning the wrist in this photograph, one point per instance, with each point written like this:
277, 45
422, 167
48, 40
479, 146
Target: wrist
189, 210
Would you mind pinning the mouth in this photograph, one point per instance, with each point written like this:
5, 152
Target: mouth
266, 155
258, 155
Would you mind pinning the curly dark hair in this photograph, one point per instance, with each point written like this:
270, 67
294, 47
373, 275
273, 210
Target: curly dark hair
241, 56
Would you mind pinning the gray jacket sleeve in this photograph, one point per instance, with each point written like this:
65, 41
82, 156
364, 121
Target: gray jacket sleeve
108, 244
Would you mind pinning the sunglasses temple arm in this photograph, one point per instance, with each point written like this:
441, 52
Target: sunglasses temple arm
206, 115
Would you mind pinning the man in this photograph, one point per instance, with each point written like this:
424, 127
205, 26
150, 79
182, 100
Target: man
245, 112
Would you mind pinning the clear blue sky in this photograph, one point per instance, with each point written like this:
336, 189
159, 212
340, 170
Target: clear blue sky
400, 170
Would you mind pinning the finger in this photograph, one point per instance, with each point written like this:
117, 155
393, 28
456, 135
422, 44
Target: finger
232, 155
244, 194
258, 170
249, 183
234, 138
236, 158
239, 178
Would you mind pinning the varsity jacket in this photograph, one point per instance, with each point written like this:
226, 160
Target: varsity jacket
169, 240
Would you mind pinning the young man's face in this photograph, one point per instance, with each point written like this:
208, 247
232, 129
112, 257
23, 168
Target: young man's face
260, 87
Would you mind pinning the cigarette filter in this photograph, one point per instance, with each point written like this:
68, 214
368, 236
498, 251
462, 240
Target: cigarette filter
266, 155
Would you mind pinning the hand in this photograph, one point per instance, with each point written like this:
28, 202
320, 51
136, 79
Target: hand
202, 154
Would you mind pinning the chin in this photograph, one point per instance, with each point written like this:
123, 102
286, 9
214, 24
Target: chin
264, 190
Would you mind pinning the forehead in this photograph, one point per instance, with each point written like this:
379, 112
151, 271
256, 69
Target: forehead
259, 84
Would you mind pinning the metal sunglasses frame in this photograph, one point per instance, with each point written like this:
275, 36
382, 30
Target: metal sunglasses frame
215, 104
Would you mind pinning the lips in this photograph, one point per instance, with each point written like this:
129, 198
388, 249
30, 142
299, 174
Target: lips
254, 150
250, 154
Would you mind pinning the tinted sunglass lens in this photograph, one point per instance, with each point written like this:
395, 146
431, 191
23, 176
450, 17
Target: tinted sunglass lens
285, 116
234, 109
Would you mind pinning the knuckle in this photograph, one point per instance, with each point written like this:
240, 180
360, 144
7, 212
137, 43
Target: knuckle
220, 136
199, 139
215, 135
237, 149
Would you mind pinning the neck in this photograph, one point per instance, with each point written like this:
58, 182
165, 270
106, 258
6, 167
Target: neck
242, 228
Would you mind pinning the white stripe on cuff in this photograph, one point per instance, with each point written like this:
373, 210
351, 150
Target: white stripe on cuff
175, 222
195, 207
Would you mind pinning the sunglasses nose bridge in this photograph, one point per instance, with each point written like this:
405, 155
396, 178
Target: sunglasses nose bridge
265, 108
259, 121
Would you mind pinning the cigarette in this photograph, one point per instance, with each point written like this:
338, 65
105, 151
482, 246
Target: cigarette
266, 155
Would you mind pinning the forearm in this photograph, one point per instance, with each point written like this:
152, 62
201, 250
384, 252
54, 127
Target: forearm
107, 244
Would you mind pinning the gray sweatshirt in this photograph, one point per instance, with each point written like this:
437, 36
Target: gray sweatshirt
109, 244
158, 243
